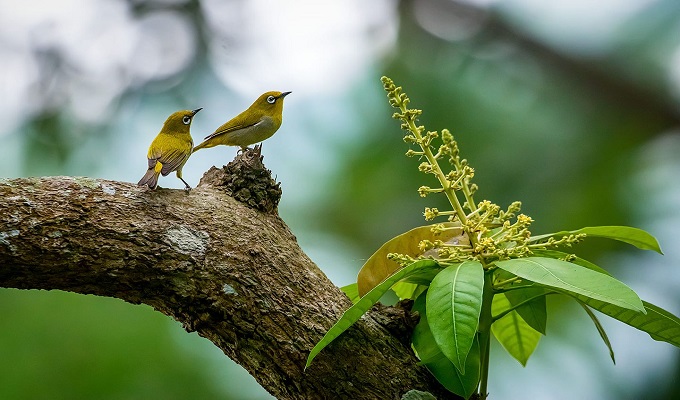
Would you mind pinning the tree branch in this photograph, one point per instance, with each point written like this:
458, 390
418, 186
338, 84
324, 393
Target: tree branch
230, 272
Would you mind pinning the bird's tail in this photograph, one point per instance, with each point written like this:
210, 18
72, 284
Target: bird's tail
202, 145
150, 179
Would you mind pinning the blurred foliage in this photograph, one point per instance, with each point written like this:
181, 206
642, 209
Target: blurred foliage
64, 345
533, 132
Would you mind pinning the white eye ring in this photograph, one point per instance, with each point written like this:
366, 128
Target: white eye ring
186, 120
271, 99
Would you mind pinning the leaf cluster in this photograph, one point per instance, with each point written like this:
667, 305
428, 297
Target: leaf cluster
482, 273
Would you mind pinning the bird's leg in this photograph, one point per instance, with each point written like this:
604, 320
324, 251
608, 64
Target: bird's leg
187, 187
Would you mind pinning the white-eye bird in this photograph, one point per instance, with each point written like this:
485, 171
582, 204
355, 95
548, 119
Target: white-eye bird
171, 148
259, 122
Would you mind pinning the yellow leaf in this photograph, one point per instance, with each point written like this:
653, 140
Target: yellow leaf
378, 268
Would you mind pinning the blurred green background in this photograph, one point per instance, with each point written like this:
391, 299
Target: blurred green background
572, 108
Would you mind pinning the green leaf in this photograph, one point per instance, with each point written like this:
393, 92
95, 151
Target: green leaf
355, 312
415, 394
435, 361
406, 290
658, 323
454, 302
600, 330
635, 236
423, 278
574, 260
532, 309
516, 336
449, 376
351, 291
377, 268
575, 279
422, 340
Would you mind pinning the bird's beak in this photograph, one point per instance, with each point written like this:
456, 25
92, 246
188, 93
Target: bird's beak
195, 111
284, 94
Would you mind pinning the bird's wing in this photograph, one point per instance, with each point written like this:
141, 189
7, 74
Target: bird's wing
237, 123
170, 159
152, 162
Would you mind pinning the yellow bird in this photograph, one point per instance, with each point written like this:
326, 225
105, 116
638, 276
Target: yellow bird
259, 122
171, 148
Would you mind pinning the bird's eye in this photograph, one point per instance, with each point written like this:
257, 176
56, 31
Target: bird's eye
271, 99
186, 120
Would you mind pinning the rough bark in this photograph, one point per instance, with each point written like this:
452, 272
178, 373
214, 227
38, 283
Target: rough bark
223, 268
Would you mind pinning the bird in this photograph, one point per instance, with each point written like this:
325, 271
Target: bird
171, 148
259, 122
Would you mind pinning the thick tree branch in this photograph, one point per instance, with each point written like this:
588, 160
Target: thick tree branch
232, 273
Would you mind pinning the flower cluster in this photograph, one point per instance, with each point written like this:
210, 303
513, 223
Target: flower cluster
493, 233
